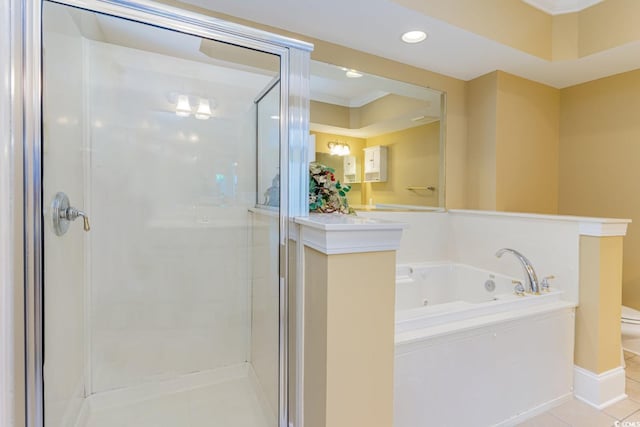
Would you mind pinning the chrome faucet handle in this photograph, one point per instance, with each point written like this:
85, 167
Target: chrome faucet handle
63, 213
85, 221
72, 213
518, 289
545, 286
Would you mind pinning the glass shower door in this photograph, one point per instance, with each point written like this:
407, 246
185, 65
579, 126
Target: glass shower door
161, 257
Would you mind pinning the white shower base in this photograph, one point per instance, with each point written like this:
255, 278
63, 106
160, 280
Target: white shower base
229, 397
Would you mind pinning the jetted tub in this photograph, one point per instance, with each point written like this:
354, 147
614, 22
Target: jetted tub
469, 351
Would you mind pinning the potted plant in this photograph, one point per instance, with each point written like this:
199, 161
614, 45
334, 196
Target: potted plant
326, 194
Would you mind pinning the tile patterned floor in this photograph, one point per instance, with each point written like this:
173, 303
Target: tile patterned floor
578, 414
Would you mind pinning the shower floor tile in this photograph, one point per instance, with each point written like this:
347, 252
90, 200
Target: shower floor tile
232, 403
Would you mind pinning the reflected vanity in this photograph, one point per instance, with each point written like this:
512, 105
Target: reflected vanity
383, 137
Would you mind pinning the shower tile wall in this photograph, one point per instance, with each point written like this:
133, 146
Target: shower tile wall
64, 264
169, 198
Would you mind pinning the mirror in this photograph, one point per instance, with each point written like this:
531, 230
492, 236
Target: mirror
383, 137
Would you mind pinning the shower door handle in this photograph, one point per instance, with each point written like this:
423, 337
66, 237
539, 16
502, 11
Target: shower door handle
63, 214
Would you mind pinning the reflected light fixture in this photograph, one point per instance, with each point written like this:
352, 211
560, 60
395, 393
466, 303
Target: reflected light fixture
204, 110
339, 148
353, 74
414, 36
183, 108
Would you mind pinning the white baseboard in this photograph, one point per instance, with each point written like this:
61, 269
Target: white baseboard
517, 420
599, 390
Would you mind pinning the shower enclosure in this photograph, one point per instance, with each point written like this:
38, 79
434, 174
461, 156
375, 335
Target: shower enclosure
165, 160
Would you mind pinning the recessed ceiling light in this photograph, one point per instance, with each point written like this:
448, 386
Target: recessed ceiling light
414, 36
353, 74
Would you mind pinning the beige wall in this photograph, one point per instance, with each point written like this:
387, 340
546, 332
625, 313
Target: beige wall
565, 36
599, 160
598, 314
355, 196
330, 114
527, 146
383, 110
413, 160
512, 152
349, 339
608, 24
390, 107
316, 266
482, 94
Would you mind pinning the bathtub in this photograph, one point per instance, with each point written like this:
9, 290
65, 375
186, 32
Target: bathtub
469, 351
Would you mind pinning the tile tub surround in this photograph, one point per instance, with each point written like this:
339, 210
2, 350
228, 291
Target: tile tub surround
349, 296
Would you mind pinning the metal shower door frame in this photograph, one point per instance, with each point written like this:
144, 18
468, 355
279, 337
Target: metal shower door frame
294, 112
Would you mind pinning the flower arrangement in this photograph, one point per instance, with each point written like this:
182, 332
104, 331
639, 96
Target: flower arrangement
326, 194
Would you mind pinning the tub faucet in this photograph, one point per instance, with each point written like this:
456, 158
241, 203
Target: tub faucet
530, 273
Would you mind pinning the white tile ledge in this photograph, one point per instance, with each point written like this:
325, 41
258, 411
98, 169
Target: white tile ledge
342, 234
588, 226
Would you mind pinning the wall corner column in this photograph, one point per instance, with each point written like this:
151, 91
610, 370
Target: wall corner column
349, 320
599, 378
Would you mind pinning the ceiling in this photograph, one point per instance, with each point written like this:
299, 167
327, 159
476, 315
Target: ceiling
558, 7
329, 84
449, 50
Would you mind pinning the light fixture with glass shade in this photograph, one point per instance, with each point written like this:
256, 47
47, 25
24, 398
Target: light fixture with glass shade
204, 110
339, 148
183, 107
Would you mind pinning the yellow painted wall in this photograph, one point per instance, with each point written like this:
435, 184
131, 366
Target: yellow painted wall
413, 159
608, 24
527, 146
597, 347
355, 196
330, 114
316, 272
565, 34
599, 171
349, 339
512, 155
383, 110
389, 107
482, 94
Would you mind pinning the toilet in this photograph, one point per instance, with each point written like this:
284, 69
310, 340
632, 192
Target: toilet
630, 329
